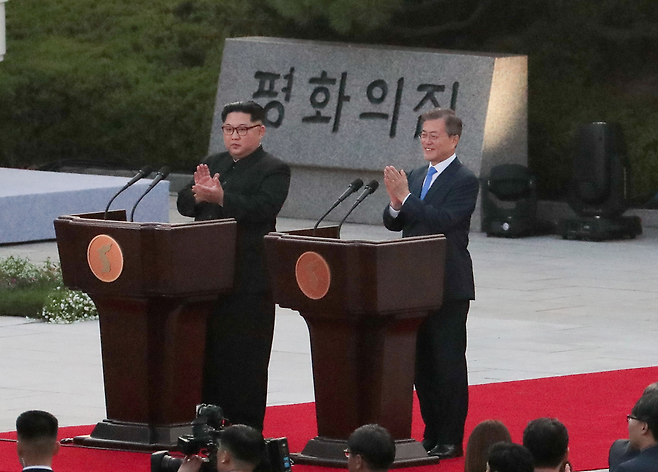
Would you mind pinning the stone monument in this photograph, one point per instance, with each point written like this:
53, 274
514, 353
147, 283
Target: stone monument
338, 111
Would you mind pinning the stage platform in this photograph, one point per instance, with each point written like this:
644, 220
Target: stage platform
30, 200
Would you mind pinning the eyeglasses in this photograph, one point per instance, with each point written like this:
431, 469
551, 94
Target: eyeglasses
242, 130
632, 417
431, 136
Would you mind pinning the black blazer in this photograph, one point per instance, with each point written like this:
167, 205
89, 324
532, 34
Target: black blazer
620, 451
645, 461
255, 188
447, 210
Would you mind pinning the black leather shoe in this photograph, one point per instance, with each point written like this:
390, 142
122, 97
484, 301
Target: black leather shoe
446, 451
429, 444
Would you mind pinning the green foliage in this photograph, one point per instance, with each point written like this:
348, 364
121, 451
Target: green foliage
17, 272
134, 81
35, 291
25, 286
120, 82
343, 16
68, 306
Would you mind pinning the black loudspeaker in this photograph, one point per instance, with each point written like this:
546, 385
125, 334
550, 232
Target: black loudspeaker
600, 186
601, 171
509, 203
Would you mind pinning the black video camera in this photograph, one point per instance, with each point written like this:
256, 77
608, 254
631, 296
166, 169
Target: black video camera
207, 429
206, 434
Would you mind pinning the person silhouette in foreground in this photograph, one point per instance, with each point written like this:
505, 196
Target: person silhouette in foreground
37, 440
370, 448
547, 440
622, 450
509, 457
643, 435
483, 436
241, 448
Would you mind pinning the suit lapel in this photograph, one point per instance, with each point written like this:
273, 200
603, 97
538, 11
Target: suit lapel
439, 186
416, 183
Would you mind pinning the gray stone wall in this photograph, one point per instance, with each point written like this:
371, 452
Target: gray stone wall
340, 111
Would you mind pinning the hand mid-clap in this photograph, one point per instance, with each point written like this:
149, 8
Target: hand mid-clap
207, 188
397, 186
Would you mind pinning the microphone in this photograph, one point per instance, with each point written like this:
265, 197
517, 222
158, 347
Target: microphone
146, 170
367, 190
353, 187
162, 174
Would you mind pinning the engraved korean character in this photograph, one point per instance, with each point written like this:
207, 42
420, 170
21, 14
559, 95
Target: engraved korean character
267, 89
321, 96
377, 92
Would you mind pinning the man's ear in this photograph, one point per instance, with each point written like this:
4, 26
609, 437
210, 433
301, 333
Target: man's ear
19, 451
223, 457
56, 447
358, 462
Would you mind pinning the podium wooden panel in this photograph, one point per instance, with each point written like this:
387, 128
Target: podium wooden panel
152, 319
362, 330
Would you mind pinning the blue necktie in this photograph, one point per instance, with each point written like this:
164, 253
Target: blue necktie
427, 183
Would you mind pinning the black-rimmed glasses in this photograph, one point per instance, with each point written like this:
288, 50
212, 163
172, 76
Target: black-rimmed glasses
242, 130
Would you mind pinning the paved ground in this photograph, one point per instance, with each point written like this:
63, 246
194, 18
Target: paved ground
544, 307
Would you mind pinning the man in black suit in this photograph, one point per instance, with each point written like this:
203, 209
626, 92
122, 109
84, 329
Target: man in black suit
622, 450
250, 185
37, 440
643, 435
438, 198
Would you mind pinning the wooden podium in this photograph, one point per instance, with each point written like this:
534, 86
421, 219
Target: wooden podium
153, 285
363, 303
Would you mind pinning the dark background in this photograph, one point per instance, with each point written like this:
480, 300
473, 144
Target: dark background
121, 83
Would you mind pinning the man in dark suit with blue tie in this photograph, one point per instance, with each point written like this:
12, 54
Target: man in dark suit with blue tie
37, 443
439, 198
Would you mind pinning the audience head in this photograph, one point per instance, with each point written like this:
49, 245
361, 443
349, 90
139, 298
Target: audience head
651, 388
643, 421
37, 438
370, 447
484, 435
547, 440
509, 457
241, 448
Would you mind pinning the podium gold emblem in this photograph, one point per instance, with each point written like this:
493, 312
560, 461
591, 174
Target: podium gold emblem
313, 275
105, 258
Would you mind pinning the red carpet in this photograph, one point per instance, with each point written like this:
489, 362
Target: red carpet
592, 406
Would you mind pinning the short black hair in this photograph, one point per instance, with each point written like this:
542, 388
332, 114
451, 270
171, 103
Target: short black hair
244, 443
253, 109
375, 444
509, 457
548, 440
34, 425
646, 409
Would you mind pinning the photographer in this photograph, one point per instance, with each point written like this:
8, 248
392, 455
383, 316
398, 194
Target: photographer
240, 449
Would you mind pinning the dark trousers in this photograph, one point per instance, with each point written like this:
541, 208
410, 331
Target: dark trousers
238, 346
441, 373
